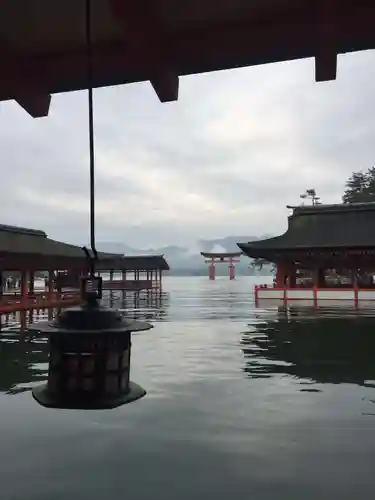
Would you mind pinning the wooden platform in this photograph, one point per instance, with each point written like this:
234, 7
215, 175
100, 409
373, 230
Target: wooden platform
314, 294
13, 303
131, 285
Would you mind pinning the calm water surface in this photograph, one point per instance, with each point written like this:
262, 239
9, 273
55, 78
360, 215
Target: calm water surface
242, 403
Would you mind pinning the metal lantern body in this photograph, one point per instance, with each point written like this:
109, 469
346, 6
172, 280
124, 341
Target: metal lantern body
89, 359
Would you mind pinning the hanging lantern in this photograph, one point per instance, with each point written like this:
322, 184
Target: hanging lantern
89, 356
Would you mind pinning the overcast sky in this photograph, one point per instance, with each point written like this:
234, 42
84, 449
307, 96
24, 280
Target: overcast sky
224, 160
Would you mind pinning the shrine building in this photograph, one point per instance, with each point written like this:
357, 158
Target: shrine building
327, 252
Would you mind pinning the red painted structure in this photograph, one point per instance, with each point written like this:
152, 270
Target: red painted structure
25, 252
43, 52
327, 252
230, 258
138, 273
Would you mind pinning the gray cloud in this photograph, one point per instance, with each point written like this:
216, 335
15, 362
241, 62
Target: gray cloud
225, 159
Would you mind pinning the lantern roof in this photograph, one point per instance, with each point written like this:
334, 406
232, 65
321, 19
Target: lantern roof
95, 320
43, 43
339, 226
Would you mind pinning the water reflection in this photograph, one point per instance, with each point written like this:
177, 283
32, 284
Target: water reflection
251, 434
23, 362
23, 359
323, 346
151, 306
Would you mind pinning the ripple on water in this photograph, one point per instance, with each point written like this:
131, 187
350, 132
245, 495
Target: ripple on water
262, 402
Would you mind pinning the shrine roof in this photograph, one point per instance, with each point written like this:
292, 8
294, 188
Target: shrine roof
34, 244
42, 42
132, 263
338, 226
16, 240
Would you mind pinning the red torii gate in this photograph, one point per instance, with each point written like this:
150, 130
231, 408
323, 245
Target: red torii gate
230, 258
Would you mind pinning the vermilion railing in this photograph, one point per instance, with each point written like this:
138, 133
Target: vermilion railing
39, 301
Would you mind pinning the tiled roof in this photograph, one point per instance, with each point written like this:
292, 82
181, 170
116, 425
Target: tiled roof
322, 227
16, 240
137, 262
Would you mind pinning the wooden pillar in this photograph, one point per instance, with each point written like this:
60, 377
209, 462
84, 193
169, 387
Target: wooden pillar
57, 289
315, 276
355, 286
31, 282
23, 320
50, 291
318, 278
355, 281
50, 284
232, 269
280, 275
24, 286
123, 278
292, 275
158, 280
111, 276
212, 270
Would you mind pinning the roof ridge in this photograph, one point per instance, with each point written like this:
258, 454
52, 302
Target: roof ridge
22, 230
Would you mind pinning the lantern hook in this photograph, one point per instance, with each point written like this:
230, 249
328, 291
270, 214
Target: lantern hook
91, 259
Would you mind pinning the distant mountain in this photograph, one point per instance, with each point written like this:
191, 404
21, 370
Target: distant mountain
228, 244
184, 260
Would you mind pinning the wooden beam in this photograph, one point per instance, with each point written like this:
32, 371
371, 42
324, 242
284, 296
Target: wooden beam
37, 105
140, 24
326, 67
326, 57
196, 51
166, 86
33, 262
32, 98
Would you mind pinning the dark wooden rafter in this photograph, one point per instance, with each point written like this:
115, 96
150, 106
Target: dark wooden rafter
39, 263
149, 51
36, 104
327, 43
142, 31
325, 259
32, 97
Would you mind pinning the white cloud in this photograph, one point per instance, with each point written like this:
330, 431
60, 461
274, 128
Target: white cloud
225, 159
